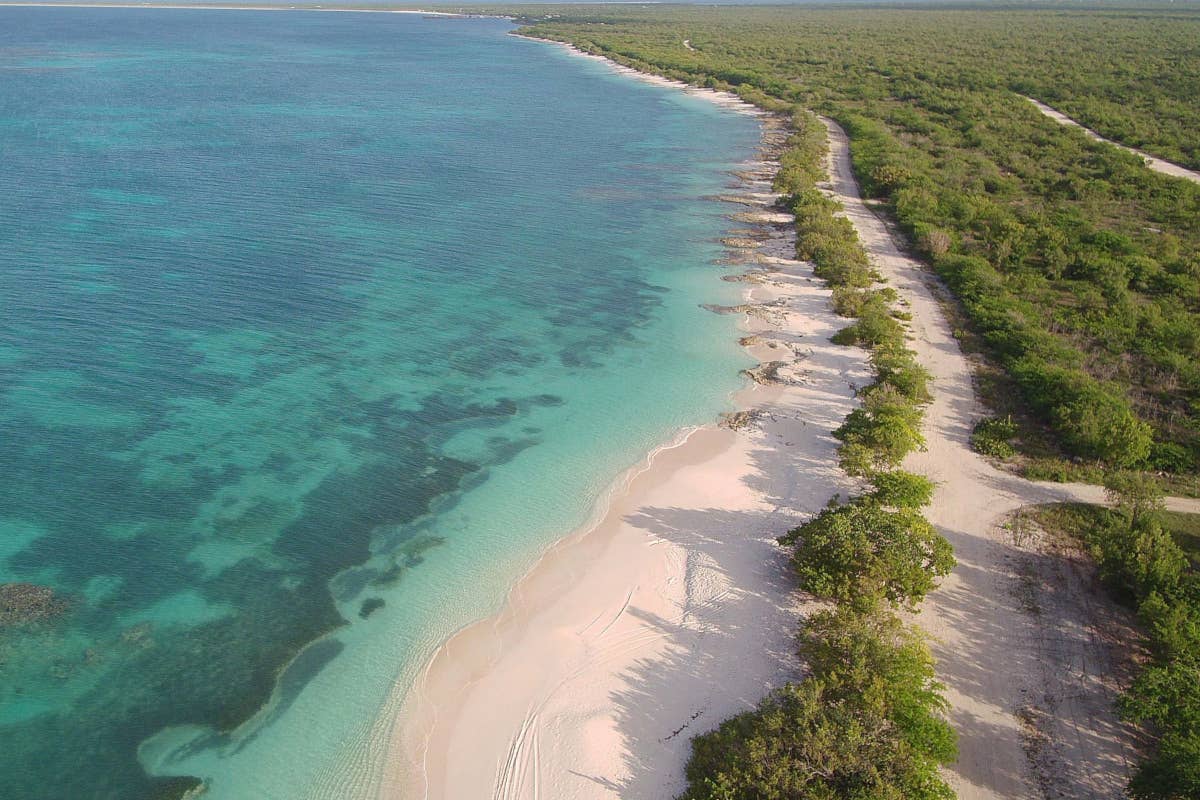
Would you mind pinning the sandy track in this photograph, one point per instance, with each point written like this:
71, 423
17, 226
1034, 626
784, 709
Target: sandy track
1153, 162
1026, 644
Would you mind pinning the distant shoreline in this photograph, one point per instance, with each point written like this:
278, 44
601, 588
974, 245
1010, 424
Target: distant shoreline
225, 7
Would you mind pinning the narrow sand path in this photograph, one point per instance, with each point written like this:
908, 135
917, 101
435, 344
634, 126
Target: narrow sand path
1031, 692
1153, 162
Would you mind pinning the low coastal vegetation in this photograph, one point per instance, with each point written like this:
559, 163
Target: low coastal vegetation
867, 719
1075, 281
1076, 271
1074, 275
1148, 560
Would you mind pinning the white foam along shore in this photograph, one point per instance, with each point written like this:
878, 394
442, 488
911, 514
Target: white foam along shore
671, 613
724, 99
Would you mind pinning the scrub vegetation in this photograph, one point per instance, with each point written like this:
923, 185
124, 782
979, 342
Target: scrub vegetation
1075, 276
1076, 269
867, 720
1147, 558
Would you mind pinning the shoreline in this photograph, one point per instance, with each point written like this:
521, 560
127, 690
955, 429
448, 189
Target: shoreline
727, 100
218, 7
589, 689
676, 608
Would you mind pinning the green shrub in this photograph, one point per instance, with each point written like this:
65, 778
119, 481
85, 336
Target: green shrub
896, 366
866, 723
1099, 424
1136, 496
901, 489
1047, 469
1173, 773
799, 744
1093, 419
801, 164
1154, 562
992, 436
1171, 457
874, 327
862, 549
877, 435
1167, 694
869, 656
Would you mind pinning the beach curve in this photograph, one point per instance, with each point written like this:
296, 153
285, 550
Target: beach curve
677, 609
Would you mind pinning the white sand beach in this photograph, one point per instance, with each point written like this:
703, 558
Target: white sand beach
678, 610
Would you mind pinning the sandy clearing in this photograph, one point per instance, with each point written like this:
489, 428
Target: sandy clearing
1153, 162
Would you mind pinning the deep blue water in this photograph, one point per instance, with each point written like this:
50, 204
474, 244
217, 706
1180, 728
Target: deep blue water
315, 330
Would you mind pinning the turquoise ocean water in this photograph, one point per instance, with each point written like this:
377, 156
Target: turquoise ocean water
315, 330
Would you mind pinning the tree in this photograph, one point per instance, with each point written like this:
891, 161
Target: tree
862, 549
801, 744
1136, 495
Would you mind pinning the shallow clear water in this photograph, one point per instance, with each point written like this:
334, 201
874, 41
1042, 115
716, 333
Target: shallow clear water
316, 329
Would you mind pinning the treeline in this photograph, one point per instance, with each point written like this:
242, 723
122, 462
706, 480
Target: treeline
867, 720
1078, 268
1132, 74
1092, 417
1141, 562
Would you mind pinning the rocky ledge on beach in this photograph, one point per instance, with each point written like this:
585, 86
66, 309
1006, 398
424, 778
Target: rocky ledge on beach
766, 373
741, 420
770, 313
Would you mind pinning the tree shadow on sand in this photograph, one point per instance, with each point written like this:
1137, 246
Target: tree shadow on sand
727, 650
1039, 646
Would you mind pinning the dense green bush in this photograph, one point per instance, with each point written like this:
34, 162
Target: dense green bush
901, 489
875, 326
801, 744
866, 654
865, 549
866, 723
896, 366
800, 165
877, 435
1167, 694
993, 437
